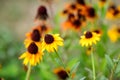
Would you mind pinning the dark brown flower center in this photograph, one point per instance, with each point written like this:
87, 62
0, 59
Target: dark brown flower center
88, 34
49, 38
77, 23
118, 30
36, 35
43, 28
116, 12
32, 48
113, 7
73, 6
42, 13
81, 2
65, 11
103, 0
71, 16
62, 75
96, 31
91, 12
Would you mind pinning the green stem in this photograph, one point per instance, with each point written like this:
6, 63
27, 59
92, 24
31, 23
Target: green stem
62, 62
28, 73
93, 65
114, 68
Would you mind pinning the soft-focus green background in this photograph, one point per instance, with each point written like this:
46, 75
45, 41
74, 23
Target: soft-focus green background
17, 18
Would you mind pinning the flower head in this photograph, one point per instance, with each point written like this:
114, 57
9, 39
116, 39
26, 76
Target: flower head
42, 13
32, 56
89, 38
114, 33
51, 42
34, 36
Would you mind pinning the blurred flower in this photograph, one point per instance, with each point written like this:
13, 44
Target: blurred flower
34, 36
114, 33
1, 78
41, 13
89, 38
90, 13
62, 74
98, 31
102, 3
81, 2
33, 55
88, 52
113, 12
50, 42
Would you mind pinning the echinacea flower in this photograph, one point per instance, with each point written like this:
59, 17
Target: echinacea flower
114, 33
51, 42
32, 56
89, 38
33, 36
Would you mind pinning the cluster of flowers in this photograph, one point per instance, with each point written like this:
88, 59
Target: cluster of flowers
78, 14
39, 39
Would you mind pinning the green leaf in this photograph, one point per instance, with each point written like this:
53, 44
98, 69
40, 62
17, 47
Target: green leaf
109, 62
73, 64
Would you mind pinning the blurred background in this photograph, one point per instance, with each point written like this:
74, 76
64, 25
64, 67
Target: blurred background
16, 19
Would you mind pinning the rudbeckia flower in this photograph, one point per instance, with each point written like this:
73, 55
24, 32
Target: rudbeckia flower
90, 13
89, 38
98, 31
41, 13
32, 56
113, 12
33, 36
51, 42
61, 73
114, 33
102, 3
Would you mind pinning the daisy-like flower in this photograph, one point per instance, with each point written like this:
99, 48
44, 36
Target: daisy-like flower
51, 42
114, 33
98, 31
32, 56
89, 38
33, 36
41, 13
61, 73
102, 3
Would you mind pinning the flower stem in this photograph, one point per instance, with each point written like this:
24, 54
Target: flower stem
62, 63
114, 68
28, 73
93, 65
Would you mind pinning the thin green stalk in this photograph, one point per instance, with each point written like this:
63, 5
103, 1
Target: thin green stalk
62, 63
114, 68
93, 65
28, 73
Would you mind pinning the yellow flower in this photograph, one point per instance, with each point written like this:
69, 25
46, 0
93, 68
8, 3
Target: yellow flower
33, 36
89, 38
62, 74
98, 31
50, 42
101, 3
114, 33
33, 55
